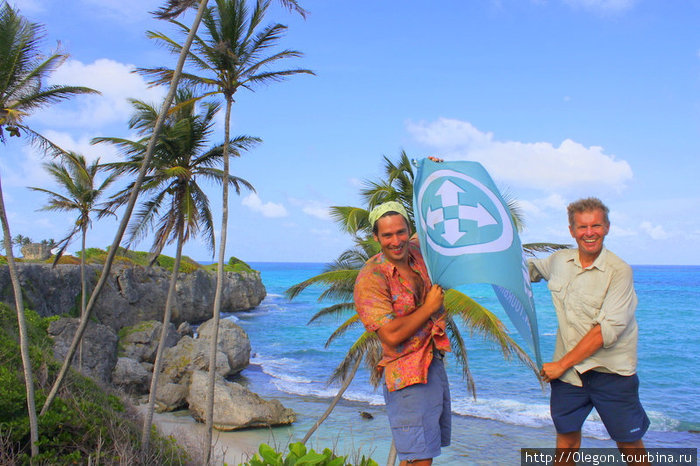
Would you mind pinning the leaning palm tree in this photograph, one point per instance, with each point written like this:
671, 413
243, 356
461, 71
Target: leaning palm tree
112, 252
232, 54
339, 278
173, 198
77, 179
23, 69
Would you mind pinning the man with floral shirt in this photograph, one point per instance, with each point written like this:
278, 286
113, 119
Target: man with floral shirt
395, 298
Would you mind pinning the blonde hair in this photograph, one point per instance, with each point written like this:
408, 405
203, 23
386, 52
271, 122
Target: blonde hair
586, 205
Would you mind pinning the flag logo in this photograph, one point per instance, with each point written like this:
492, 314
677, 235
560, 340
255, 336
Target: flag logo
461, 215
467, 236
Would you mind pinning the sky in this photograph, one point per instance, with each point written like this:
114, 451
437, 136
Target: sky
558, 99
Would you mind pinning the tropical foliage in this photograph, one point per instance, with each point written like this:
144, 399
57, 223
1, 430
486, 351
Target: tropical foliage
173, 198
232, 54
23, 70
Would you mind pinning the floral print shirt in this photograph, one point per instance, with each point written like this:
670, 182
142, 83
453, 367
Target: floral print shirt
381, 295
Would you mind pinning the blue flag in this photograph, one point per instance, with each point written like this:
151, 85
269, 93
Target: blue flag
467, 236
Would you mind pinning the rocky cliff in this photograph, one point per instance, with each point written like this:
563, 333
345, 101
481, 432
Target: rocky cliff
132, 294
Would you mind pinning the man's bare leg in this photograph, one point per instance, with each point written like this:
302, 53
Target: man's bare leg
635, 450
566, 445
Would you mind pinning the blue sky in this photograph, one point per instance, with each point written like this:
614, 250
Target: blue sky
558, 99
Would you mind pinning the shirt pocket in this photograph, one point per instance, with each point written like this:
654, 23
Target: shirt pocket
556, 287
588, 303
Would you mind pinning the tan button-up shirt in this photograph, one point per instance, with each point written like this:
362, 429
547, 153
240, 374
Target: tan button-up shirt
602, 293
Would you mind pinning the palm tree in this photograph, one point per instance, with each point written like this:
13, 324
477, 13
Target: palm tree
174, 8
23, 70
339, 278
232, 55
173, 198
21, 240
77, 179
112, 252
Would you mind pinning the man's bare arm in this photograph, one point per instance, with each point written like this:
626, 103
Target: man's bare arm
589, 344
401, 328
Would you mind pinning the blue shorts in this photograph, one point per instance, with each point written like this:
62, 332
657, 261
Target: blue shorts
615, 398
420, 415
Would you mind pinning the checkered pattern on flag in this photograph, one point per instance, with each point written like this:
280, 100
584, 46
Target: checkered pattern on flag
467, 236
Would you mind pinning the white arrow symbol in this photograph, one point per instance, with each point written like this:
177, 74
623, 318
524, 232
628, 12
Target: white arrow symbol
478, 213
434, 217
452, 233
449, 193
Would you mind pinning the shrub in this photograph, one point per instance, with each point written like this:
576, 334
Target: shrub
299, 455
84, 422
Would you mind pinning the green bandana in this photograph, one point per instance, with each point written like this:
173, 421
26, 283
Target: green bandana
381, 209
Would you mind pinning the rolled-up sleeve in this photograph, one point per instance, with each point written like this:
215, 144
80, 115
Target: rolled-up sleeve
618, 307
373, 300
539, 269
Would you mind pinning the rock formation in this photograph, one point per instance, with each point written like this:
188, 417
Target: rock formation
236, 406
97, 354
132, 294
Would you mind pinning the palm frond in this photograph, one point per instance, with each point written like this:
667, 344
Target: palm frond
328, 278
532, 248
484, 323
334, 310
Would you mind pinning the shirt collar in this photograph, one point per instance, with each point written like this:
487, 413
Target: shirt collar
389, 268
598, 263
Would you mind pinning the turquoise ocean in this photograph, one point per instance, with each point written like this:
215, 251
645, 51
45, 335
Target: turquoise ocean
511, 410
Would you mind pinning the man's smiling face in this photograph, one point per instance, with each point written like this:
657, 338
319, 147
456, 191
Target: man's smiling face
589, 230
392, 235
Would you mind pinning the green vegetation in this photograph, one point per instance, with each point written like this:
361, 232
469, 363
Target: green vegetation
299, 455
234, 265
83, 422
188, 265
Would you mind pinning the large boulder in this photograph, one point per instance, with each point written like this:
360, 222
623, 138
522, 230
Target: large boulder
97, 355
232, 341
131, 376
132, 293
236, 406
179, 362
140, 342
171, 396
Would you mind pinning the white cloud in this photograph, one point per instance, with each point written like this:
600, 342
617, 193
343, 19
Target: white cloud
539, 165
317, 210
654, 231
313, 207
114, 80
604, 6
267, 209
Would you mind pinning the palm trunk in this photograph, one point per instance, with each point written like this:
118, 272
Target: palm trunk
129, 208
22, 324
391, 459
148, 421
209, 417
83, 291
335, 401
